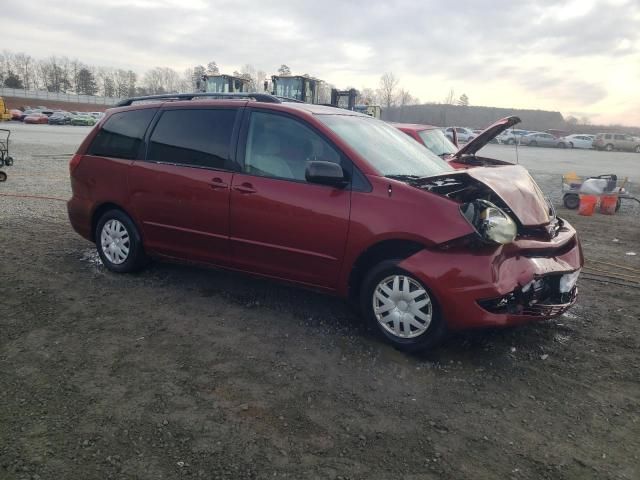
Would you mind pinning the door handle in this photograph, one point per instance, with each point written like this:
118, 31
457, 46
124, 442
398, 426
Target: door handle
218, 183
245, 188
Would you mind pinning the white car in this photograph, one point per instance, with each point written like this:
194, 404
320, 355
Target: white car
511, 136
464, 134
578, 141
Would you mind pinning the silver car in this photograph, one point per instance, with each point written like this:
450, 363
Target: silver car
539, 139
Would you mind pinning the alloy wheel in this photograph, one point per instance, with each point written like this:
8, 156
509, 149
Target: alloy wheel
402, 306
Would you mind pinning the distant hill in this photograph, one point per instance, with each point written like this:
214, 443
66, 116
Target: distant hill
470, 116
481, 117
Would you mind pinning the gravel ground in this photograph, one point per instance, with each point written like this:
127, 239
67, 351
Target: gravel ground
185, 372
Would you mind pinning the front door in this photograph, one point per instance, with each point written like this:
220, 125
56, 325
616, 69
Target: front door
281, 225
180, 194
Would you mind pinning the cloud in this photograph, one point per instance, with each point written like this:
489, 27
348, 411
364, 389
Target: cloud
558, 53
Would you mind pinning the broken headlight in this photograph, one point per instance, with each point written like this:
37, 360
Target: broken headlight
491, 222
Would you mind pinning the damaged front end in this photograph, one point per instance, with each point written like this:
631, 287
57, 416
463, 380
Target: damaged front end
504, 200
545, 296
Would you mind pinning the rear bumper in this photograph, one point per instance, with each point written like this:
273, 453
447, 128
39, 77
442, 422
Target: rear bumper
511, 285
80, 212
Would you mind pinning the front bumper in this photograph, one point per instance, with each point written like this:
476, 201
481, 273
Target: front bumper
510, 285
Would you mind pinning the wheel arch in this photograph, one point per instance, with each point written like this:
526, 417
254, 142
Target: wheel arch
105, 207
400, 249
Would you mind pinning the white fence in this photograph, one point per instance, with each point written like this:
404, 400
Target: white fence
56, 97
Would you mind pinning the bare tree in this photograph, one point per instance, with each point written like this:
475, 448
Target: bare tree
405, 98
450, 98
212, 68
24, 66
367, 96
387, 90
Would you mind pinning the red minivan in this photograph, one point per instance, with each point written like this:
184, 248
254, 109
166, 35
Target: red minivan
329, 199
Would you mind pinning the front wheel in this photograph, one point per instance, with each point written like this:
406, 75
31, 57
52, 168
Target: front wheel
118, 242
533, 143
609, 147
637, 149
400, 308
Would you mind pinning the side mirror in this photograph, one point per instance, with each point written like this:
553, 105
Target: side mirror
325, 173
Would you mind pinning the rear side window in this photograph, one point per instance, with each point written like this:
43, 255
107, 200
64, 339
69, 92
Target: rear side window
200, 138
122, 134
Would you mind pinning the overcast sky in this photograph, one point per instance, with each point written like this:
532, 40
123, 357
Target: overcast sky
581, 57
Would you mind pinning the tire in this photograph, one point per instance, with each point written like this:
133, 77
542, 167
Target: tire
637, 149
571, 201
608, 147
8, 161
533, 143
562, 145
117, 226
432, 326
511, 141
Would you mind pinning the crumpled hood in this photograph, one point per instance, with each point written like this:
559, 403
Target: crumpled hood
509, 186
520, 192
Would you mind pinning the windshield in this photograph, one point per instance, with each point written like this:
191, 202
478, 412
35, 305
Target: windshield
387, 149
437, 142
217, 85
289, 87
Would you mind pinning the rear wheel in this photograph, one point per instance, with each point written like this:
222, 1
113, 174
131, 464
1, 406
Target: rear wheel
118, 242
571, 201
400, 308
533, 143
562, 145
608, 147
511, 141
637, 149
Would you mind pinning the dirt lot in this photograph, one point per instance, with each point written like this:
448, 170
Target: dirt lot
185, 372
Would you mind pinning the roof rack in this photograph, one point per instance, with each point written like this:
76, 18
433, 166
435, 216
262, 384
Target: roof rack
258, 97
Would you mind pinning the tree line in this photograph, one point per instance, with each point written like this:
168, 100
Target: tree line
62, 74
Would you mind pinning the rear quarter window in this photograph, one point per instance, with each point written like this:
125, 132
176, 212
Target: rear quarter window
122, 134
199, 138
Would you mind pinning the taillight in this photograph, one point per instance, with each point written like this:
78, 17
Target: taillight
75, 161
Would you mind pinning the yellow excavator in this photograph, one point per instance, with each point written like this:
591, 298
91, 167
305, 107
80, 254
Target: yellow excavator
4, 111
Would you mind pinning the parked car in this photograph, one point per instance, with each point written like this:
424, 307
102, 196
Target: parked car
60, 118
539, 139
464, 134
430, 136
617, 141
83, 119
313, 194
36, 117
463, 157
511, 136
97, 115
16, 114
577, 141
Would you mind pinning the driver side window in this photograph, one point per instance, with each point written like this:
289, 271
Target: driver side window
281, 147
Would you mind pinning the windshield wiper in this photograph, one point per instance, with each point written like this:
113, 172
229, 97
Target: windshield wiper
404, 178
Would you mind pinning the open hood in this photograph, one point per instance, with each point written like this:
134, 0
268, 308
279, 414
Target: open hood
510, 186
486, 136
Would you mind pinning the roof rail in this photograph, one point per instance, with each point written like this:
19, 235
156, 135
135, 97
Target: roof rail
258, 97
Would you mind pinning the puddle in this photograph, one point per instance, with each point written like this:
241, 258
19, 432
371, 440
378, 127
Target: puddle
91, 257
